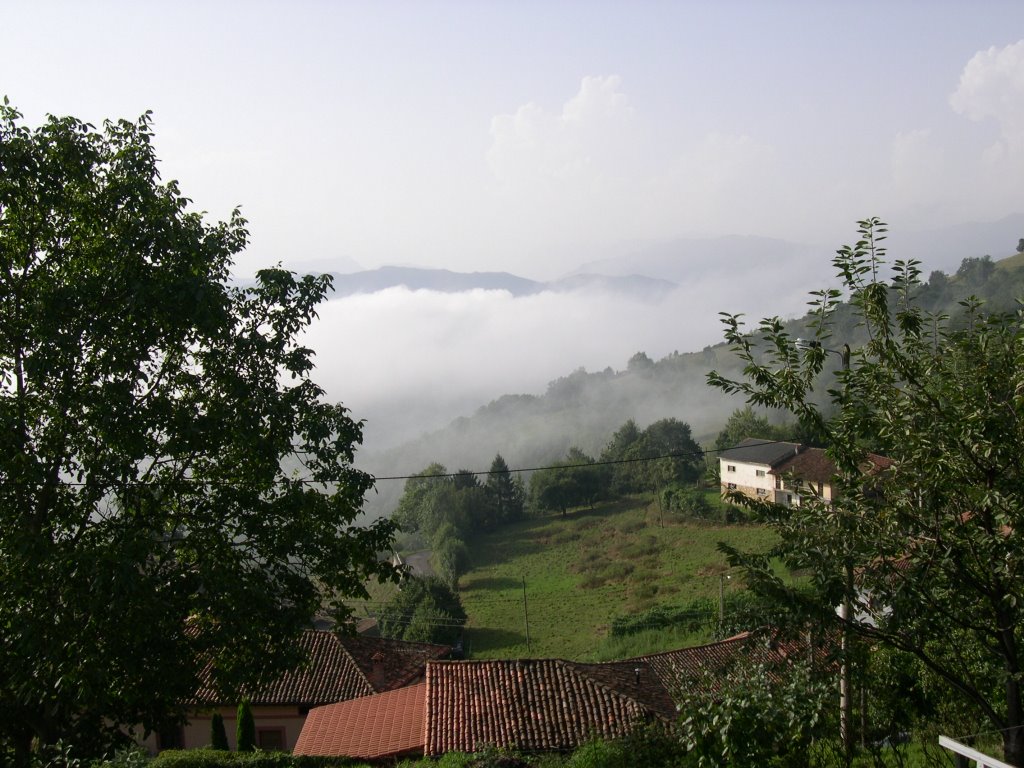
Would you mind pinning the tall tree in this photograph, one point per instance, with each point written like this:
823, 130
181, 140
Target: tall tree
152, 516
743, 423
926, 555
506, 493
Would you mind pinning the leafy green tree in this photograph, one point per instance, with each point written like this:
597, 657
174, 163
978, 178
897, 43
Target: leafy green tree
743, 423
218, 736
572, 482
506, 493
976, 271
245, 730
755, 714
409, 514
424, 610
150, 518
665, 453
620, 478
924, 555
1020, 245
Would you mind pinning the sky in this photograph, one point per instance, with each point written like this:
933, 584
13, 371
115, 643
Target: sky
533, 137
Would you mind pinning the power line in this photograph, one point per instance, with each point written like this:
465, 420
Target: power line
702, 453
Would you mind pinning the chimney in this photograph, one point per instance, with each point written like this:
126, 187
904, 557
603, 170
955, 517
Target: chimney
377, 671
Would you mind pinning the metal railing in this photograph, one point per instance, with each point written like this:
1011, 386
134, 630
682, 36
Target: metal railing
983, 760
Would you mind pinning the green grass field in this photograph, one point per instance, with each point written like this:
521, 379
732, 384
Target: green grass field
583, 570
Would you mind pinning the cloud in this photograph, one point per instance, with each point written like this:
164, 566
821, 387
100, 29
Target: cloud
579, 144
992, 86
597, 171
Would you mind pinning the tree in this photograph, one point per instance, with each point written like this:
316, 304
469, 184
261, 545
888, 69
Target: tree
927, 553
743, 423
409, 514
174, 491
615, 451
425, 611
245, 729
218, 736
665, 453
573, 482
505, 492
975, 271
1020, 245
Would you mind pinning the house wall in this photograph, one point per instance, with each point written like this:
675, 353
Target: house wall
747, 478
790, 493
196, 733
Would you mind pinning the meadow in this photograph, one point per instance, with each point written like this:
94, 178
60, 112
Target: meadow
579, 572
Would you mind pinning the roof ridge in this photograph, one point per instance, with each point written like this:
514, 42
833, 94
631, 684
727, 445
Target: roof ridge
734, 639
344, 649
581, 667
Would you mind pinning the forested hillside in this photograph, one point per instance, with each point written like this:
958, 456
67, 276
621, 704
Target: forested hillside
583, 409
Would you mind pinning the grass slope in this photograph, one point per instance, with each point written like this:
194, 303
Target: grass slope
583, 570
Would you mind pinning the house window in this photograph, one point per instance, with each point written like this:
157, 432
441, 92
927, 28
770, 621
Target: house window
730, 467
778, 482
270, 739
759, 472
762, 492
731, 486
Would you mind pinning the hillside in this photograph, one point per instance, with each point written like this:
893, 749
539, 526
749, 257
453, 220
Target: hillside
584, 570
584, 408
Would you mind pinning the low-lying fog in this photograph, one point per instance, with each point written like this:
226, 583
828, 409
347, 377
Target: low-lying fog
411, 361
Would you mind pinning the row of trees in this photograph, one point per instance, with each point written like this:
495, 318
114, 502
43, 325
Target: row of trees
662, 456
446, 509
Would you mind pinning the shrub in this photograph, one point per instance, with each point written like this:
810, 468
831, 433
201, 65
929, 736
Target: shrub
245, 735
215, 758
218, 736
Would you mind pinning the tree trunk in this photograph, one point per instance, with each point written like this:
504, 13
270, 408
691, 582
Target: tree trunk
1013, 734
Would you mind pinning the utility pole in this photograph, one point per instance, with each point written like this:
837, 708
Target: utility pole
526, 619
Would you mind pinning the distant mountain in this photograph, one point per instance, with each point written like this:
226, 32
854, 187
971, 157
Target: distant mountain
446, 281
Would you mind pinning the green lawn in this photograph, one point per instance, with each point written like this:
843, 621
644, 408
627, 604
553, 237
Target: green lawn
583, 570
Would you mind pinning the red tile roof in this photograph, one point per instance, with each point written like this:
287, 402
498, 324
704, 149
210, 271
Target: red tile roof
537, 704
687, 668
338, 668
814, 465
387, 724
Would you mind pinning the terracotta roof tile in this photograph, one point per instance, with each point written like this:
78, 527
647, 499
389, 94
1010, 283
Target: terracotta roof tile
538, 704
384, 725
338, 668
814, 465
686, 668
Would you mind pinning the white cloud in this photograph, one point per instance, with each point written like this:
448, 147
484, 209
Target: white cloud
992, 86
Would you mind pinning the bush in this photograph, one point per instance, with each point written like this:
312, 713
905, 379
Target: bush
245, 734
215, 758
218, 736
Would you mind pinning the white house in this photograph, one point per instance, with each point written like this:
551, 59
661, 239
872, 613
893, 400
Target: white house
747, 468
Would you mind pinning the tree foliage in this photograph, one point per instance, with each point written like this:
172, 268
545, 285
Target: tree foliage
174, 492
928, 552
218, 736
245, 728
425, 611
